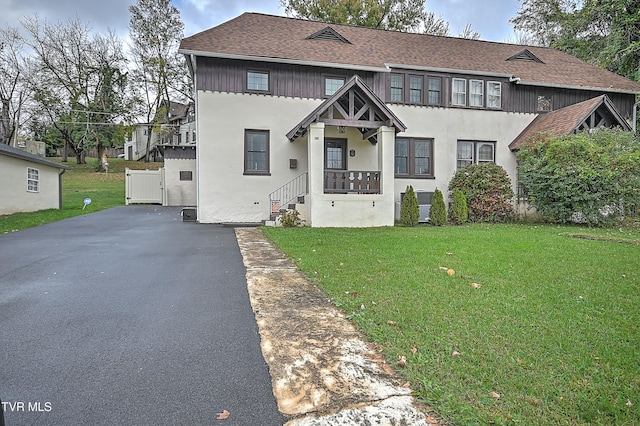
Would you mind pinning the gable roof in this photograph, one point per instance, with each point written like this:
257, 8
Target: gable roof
570, 119
254, 36
10, 151
379, 114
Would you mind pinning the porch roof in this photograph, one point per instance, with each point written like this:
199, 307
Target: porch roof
357, 105
570, 119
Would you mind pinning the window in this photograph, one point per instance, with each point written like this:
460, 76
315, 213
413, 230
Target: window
397, 87
415, 89
258, 81
435, 88
256, 152
335, 154
494, 94
413, 157
476, 93
545, 103
332, 85
459, 92
475, 152
193, 136
33, 180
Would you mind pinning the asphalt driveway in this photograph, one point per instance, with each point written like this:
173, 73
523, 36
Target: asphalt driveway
129, 316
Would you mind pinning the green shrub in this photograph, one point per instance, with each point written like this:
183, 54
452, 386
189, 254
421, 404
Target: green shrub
592, 178
488, 191
290, 218
459, 212
438, 211
409, 209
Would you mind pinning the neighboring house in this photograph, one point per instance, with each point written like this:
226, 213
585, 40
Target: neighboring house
339, 120
135, 148
28, 182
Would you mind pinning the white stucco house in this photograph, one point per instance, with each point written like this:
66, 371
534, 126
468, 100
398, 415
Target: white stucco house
28, 182
339, 120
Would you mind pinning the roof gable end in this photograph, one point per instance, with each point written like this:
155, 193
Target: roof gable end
525, 55
328, 34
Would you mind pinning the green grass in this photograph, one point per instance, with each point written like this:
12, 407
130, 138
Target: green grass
106, 190
554, 328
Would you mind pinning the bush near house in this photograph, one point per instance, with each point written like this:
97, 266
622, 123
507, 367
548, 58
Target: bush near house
487, 188
438, 211
459, 212
409, 209
592, 178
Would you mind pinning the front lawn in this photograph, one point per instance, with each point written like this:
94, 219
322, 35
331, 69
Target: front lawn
533, 326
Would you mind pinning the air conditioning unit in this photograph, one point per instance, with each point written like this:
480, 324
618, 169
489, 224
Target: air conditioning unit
424, 203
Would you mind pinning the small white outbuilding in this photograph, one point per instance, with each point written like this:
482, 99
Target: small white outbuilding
28, 182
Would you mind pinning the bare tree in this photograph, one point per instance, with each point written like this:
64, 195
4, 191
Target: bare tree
159, 73
12, 89
78, 81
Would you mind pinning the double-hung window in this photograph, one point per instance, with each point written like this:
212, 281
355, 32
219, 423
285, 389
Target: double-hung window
459, 92
33, 180
415, 89
413, 157
475, 152
256, 152
397, 87
494, 94
332, 85
435, 89
476, 93
257, 81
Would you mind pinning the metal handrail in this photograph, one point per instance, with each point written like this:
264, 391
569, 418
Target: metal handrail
281, 197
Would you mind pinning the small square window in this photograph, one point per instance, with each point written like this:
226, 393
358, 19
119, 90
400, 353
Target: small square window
258, 81
545, 103
332, 85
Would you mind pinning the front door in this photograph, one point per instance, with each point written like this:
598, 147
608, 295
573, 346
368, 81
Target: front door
335, 154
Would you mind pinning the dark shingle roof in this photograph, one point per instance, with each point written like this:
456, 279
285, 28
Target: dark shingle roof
276, 38
10, 151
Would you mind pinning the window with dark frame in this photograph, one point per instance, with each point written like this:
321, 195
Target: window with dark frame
397, 87
415, 89
256, 152
257, 81
475, 152
332, 85
413, 157
435, 90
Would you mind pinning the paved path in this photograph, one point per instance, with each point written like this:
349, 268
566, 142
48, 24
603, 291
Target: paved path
129, 317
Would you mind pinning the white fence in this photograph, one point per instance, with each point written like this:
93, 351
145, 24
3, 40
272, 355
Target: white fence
145, 187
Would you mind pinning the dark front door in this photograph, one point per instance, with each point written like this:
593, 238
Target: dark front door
335, 154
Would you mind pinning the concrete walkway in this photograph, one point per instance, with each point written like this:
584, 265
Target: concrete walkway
322, 369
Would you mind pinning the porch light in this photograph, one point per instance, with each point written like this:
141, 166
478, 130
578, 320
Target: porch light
352, 153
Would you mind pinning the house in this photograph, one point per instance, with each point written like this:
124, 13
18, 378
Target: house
28, 182
338, 120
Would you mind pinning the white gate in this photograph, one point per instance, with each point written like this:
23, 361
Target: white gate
144, 186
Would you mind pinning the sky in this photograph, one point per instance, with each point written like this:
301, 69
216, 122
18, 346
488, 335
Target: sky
488, 17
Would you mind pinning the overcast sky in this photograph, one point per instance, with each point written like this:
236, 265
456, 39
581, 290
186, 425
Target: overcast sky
488, 17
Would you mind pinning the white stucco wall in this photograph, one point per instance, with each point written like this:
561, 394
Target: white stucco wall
180, 192
448, 125
14, 196
226, 195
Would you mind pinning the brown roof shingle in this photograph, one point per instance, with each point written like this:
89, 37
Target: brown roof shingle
284, 39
